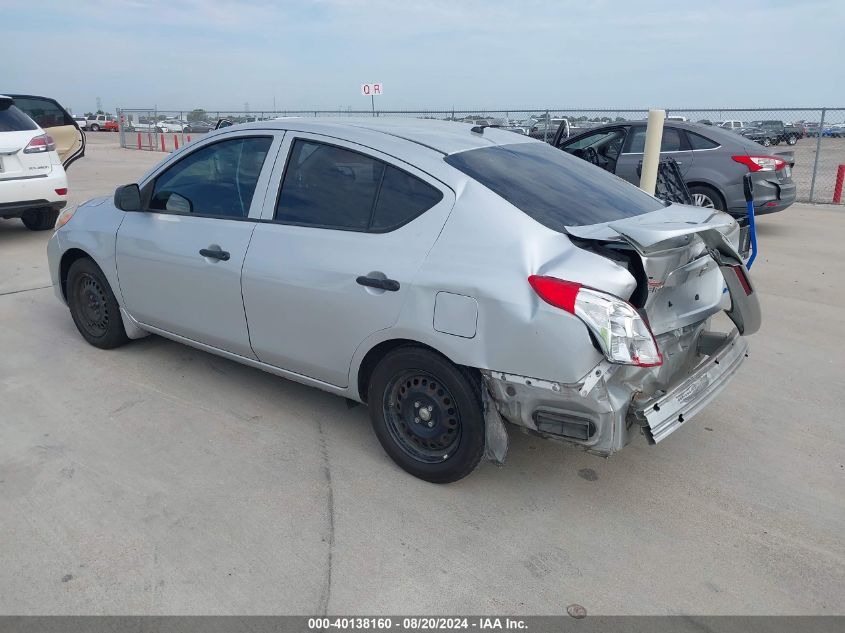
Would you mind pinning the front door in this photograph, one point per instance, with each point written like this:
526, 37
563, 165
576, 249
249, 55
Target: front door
179, 261
335, 258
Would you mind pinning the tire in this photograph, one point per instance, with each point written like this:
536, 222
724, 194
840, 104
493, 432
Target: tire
791, 139
708, 197
766, 142
93, 306
427, 414
95, 128
40, 219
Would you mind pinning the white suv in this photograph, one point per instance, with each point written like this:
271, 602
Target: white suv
33, 184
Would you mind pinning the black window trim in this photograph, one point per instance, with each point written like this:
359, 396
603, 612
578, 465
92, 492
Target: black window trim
332, 227
149, 186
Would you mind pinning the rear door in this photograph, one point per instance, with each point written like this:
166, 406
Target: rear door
343, 235
57, 122
674, 144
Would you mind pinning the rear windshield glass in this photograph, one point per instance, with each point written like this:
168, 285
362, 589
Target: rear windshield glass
13, 120
553, 187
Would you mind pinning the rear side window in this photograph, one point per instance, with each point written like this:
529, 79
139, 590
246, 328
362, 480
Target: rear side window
44, 112
554, 188
13, 120
699, 142
326, 186
670, 142
402, 198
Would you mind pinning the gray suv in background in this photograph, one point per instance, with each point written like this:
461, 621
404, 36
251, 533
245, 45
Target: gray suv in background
712, 161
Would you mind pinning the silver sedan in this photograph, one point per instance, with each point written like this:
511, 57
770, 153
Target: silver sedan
453, 278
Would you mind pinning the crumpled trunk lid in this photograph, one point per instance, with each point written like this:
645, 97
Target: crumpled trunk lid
688, 261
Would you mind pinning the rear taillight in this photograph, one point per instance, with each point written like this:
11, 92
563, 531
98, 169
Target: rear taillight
40, 144
761, 163
62, 191
621, 332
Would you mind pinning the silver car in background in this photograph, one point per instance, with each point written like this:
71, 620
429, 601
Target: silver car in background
452, 278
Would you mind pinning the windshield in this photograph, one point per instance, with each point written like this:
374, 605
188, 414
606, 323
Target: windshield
554, 188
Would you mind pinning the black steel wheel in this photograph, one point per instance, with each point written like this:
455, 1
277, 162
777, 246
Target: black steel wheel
421, 416
426, 412
93, 306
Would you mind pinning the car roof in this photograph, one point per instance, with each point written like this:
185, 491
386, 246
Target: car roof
446, 137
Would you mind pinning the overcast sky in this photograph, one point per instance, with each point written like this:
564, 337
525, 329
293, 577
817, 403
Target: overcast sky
220, 54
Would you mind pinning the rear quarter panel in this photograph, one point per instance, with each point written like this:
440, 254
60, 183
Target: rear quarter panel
487, 251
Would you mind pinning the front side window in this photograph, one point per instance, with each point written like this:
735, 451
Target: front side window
218, 179
554, 188
332, 187
593, 140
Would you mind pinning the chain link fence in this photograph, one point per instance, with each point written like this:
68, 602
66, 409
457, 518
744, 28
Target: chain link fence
815, 136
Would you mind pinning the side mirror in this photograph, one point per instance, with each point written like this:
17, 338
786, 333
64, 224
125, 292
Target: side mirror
128, 197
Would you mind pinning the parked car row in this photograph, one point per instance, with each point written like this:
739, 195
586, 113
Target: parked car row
143, 124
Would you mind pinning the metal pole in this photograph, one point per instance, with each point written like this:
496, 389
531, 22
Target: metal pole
651, 152
546, 131
373, 103
816, 160
120, 127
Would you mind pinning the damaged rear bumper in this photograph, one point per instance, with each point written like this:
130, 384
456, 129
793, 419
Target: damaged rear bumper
662, 415
603, 411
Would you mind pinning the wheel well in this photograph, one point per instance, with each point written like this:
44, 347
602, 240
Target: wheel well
374, 356
711, 187
70, 256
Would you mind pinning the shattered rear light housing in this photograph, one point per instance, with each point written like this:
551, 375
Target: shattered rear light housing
621, 332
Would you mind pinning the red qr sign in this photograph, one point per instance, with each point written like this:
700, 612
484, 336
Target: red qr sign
371, 90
